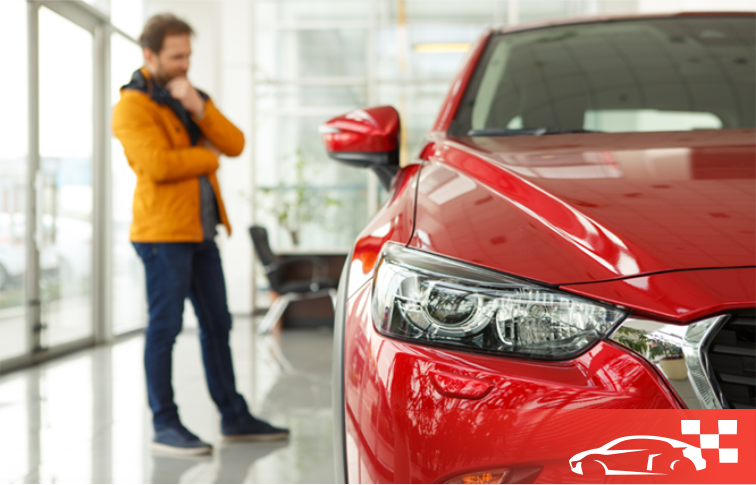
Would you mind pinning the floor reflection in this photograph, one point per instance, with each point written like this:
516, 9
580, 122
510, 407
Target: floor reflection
235, 461
84, 418
166, 469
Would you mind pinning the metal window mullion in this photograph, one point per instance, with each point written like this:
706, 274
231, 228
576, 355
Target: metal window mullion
322, 25
409, 81
101, 257
481, 22
33, 303
77, 12
253, 151
60, 350
115, 30
348, 81
372, 97
316, 81
322, 111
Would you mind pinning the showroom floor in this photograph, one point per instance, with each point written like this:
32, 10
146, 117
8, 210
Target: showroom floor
84, 418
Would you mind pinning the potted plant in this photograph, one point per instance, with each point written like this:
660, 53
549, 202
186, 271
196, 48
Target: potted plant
670, 358
632, 338
294, 205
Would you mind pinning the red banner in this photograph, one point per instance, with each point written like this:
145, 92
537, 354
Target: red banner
645, 446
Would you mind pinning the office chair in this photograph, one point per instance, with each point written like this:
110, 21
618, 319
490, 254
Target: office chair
318, 285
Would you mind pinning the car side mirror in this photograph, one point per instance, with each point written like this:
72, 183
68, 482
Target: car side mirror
366, 138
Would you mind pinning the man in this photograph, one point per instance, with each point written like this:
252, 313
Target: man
172, 135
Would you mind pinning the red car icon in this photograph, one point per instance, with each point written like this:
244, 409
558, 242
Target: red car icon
638, 455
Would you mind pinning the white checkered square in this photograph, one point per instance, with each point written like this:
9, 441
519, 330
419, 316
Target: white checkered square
728, 455
709, 441
728, 426
691, 426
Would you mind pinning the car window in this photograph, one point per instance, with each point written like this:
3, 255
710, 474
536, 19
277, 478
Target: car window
641, 444
673, 74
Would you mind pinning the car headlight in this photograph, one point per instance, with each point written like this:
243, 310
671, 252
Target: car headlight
422, 297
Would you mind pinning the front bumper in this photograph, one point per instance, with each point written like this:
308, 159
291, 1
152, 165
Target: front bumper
404, 424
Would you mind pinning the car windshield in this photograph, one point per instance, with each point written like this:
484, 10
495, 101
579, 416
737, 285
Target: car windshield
666, 74
640, 444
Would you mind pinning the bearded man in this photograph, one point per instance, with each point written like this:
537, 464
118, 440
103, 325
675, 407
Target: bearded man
173, 135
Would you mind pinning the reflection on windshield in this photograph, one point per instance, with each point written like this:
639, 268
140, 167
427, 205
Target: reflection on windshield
677, 74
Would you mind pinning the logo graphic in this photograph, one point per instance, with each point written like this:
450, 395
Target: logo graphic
655, 455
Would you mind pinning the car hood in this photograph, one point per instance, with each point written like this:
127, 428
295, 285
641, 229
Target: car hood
593, 207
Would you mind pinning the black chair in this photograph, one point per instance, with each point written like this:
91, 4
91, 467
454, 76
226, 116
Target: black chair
318, 285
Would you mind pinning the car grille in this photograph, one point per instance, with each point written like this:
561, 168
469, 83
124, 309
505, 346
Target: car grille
732, 357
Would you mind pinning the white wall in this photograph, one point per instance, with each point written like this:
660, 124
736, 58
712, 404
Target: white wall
222, 67
671, 6
651, 6
204, 17
617, 7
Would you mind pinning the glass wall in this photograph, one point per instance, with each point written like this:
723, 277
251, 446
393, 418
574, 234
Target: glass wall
52, 156
319, 59
128, 300
64, 180
312, 66
13, 173
127, 15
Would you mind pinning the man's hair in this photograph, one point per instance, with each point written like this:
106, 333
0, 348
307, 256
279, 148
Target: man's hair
158, 27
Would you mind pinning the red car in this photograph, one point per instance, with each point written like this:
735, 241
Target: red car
577, 232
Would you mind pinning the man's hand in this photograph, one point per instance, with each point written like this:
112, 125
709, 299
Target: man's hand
209, 145
183, 91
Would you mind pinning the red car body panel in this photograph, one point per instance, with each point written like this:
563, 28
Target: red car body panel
592, 207
395, 222
372, 130
402, 427
681, 296
490, 232
604, 18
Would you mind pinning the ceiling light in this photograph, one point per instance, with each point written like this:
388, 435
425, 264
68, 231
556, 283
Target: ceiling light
441, 48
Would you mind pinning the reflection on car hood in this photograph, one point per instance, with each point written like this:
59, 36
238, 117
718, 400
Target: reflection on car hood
618, 205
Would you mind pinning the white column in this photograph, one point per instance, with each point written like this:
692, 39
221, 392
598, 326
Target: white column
617, 7
513, 12
236, 78
372, 100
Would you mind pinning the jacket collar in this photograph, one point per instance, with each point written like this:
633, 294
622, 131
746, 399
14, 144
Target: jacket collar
142, 81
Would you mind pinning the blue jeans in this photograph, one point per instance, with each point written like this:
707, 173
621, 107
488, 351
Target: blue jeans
175, 271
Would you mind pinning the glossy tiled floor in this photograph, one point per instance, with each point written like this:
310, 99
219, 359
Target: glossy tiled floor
84, 418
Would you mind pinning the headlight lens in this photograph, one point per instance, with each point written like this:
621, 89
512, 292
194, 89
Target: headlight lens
423, 297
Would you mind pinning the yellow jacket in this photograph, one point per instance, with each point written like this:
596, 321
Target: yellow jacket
159, 149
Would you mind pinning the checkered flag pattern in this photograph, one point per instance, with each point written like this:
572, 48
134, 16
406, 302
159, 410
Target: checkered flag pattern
711, 441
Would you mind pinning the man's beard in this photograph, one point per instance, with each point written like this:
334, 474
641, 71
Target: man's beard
162, 77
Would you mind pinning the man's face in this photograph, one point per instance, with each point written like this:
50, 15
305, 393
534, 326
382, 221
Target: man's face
172, 61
